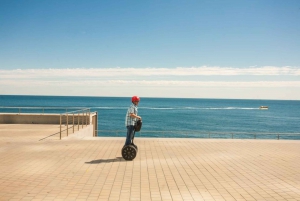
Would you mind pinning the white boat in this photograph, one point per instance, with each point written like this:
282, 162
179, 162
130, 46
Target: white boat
263, 107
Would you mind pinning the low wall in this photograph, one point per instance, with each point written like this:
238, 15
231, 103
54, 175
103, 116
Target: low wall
16, 118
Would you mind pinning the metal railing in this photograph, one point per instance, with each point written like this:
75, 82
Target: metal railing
201, 134
69, 118
74, 120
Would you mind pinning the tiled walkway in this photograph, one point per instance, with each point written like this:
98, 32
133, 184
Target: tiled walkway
164, 169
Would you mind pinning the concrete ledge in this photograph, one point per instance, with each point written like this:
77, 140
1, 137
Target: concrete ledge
54, 119
16, 118
29, 118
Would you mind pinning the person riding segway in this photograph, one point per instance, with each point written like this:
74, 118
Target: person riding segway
133, 123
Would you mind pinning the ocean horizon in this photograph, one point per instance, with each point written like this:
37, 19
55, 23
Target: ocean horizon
179, 117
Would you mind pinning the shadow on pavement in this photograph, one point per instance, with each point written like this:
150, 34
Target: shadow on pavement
117, 159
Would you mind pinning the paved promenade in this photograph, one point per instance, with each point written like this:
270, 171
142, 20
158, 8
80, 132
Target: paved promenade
164, 169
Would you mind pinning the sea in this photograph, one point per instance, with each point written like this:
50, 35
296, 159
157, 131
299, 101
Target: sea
176, 117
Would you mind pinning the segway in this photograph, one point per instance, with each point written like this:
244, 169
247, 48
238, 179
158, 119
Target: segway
129, 151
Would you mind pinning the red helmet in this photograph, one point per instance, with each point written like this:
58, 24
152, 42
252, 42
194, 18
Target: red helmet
135, 99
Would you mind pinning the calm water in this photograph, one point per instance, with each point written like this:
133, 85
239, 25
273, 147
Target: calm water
172, 114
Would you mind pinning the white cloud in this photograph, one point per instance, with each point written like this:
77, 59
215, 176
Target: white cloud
262, 82
153, 83
131, 72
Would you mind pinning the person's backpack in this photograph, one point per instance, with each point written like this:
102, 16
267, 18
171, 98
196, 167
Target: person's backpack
138, 125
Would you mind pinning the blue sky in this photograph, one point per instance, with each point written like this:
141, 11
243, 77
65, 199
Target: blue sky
225, 41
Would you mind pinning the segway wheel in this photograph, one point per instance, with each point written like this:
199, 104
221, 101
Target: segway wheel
129, 152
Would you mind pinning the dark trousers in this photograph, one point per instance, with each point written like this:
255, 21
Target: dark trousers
130, 135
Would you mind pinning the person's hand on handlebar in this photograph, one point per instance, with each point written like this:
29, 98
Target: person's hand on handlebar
135, 116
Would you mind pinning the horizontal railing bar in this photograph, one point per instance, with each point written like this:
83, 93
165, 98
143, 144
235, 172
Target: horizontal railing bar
201, 132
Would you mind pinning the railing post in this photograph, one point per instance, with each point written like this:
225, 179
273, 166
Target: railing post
86, 116
89, 117
67, 124
96, 124
78, 121
73, 123
60, 127
82, 119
